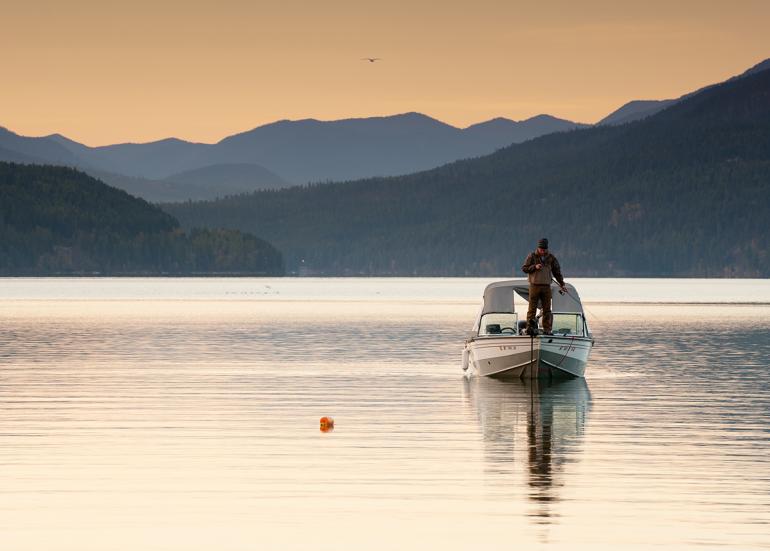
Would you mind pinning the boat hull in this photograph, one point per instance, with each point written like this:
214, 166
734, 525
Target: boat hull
527, 357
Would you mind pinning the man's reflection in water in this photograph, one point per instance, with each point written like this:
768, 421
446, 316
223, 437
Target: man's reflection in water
545, 418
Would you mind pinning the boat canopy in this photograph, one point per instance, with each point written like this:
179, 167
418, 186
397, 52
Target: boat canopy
498, 297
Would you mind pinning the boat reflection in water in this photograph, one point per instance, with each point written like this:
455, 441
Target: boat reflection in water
531, 425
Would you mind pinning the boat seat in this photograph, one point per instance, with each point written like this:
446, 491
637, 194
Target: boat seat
493, 329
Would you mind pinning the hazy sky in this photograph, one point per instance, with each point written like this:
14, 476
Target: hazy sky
105, 71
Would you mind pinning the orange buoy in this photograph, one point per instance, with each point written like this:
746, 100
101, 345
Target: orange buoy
327, 424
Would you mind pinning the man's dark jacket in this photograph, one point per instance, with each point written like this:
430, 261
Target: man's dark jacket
543, 275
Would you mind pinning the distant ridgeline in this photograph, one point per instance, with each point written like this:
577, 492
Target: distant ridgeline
685, 192
56, 220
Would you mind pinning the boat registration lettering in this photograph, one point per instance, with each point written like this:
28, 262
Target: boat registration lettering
568, 348
507, 347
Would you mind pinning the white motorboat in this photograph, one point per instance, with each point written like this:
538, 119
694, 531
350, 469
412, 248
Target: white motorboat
499, 345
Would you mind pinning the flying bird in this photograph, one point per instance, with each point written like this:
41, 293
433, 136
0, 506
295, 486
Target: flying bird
370, 59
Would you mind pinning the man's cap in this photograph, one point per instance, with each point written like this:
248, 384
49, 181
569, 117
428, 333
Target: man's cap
542, 244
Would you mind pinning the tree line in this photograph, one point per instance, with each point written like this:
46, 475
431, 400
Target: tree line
57, 220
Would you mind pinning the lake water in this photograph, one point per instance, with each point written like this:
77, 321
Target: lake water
182, 414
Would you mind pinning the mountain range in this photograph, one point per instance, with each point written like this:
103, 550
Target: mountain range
683, 192
279, 154
286, 152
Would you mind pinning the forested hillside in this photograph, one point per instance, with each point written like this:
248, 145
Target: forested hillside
685, 192
56, 220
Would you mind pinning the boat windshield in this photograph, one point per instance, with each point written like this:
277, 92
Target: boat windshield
568, 324
498, 324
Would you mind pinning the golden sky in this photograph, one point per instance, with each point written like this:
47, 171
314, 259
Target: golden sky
104, 72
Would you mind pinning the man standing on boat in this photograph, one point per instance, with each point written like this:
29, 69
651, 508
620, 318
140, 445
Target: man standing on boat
540, 266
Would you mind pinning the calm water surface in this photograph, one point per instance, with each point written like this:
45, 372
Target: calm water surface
167, 414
